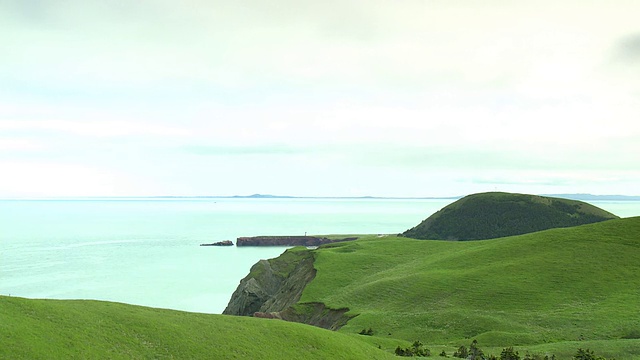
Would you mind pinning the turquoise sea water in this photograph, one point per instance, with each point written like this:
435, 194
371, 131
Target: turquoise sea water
146, 251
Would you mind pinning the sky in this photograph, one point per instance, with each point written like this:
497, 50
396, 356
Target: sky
333, 98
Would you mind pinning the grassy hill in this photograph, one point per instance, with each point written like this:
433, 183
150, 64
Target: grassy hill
495, 214
78, 329
551, 291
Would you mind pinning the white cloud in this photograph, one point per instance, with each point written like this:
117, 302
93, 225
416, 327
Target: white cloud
39, 179
11, 144
236, 45
94, 128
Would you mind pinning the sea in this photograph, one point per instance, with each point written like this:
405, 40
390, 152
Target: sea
146, 251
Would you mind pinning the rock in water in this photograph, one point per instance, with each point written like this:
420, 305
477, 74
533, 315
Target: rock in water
220, 243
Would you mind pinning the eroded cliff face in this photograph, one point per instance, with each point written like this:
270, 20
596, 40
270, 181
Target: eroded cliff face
273, 288
274, 284
316, 314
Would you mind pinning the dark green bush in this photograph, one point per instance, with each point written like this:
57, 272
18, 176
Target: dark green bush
509, 354
416, 349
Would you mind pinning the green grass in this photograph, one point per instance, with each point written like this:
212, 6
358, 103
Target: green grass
284, 264
554, 290
81, 329
495, 214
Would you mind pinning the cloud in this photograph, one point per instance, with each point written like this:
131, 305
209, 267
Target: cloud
163, 51
34, 179
240, 150
13, 144
277, 44
524, 179
628, 48
546, 178
476, 158
93, 128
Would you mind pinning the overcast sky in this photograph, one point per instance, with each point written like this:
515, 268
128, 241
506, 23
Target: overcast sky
322, 98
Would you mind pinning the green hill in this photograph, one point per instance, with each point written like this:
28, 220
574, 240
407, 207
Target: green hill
492, 215
80, 329
548, 292
551, 291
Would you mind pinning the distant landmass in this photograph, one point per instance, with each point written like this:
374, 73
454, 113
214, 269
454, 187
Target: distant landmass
262, 196
267, 196
581, 197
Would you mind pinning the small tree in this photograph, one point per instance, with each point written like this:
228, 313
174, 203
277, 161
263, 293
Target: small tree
416, 349
509, 354
401, 352
461, 353
584, 355
475, 352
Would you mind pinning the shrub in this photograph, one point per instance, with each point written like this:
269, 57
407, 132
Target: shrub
461, 353
509, 354
416, 349
584, 355
474, 351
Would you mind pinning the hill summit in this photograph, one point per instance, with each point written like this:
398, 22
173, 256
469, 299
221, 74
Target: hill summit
498, 214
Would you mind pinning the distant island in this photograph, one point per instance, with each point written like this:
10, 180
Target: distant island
261, 196
577, 196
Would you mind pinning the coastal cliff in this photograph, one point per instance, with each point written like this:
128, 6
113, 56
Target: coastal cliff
287, 240
273, 288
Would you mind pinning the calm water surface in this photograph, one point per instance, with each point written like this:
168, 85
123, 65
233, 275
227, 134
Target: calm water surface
147, 252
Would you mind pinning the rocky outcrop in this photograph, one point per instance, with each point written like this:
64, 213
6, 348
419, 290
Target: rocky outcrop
273, 288
220, 243
316, 314
287, 241
273, 285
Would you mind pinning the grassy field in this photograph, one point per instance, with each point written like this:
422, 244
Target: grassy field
74, 329
552, 291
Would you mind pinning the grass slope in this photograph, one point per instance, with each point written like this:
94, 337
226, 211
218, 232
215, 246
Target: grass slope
496, 214
81, 329
553, 290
